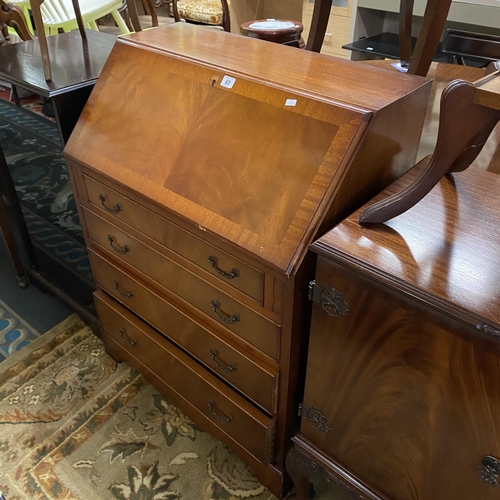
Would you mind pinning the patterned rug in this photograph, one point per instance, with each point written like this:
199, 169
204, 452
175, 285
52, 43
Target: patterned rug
75, 425
33, 151
15, 333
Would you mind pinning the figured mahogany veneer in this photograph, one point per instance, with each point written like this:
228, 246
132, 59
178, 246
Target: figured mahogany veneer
230, 412
408, 379
250, 375
198, 205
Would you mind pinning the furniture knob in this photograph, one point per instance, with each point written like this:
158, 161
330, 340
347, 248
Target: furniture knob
215, 411
117, 248
233, 318
490, 471
223, 366
329, 35
112, 210
127, 295
126, 338
234, 273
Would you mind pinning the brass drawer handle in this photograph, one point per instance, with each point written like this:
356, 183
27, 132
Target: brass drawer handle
234, 273
117, 248
226, 368
112, 210
126, 338
223, 418
127, 295
227, 319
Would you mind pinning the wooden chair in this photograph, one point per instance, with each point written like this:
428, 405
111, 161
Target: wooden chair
205, 12
418, 62
59, 14
11, 16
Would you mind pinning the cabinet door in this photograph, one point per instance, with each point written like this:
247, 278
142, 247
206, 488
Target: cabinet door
411, 396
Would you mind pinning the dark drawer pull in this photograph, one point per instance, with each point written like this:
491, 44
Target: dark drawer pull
227, 319
117, 248
126, 338
234, 273
112, 210
222, 366
213, 409
490, 471
127, 295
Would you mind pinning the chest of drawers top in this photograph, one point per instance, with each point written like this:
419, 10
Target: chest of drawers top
247, 140
444, 251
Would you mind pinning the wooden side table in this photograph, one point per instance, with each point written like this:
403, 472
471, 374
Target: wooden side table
275, 30
79, 63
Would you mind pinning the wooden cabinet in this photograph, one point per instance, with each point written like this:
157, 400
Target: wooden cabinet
402, 396
204, 164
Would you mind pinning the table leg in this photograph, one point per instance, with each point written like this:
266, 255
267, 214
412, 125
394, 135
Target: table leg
300, 468
8, 193
67, 109
319, 23
134, 14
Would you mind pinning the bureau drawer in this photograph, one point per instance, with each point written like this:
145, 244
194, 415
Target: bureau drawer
232, 271
227, 312
250, 376
228, 411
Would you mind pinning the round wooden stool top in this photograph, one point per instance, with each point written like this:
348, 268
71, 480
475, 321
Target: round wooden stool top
273, 30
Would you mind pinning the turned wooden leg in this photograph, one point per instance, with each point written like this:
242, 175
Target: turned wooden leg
300, 468
42, 39
79, 19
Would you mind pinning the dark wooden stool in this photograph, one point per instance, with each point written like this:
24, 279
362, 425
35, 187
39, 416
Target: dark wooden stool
275, 30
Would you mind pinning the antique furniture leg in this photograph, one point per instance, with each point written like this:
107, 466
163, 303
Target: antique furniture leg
319, 23
134, 14
12, 16
405, 22
42, 40
464, 127
300, 468
436, 12
79, 19
14, 95
8, 193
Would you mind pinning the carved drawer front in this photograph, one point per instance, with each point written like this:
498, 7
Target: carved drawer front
232, 271
243, 371
148, 351
220, 307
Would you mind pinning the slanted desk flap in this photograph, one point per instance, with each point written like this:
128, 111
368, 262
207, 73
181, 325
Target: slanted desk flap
250, 162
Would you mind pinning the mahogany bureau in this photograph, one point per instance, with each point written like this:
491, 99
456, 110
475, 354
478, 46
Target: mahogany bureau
402, 396
204, 164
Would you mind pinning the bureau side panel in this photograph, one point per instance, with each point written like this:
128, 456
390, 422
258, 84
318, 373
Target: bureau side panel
388, 149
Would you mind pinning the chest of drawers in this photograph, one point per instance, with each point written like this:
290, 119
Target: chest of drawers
204, 164
402, 396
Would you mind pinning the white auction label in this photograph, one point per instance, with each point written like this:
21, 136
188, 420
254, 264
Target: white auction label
291, 102
227, 82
